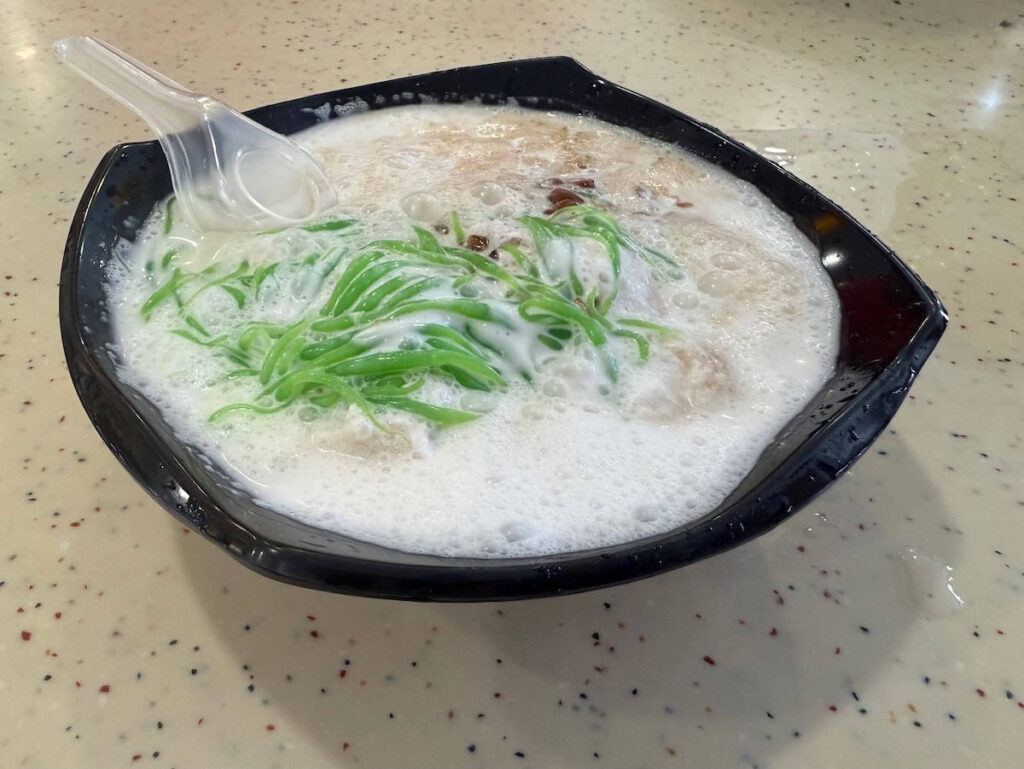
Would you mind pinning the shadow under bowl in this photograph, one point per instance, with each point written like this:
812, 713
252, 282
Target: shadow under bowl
891, 322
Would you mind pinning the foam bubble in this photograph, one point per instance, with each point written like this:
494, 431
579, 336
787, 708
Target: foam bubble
718, 284
489, 193
422, 207
727, 261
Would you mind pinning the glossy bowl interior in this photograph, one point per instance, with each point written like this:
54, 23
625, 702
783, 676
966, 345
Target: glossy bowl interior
891, 322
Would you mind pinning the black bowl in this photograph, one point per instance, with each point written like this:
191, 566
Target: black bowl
891, 322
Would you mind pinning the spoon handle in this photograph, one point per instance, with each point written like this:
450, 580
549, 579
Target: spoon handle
165, 105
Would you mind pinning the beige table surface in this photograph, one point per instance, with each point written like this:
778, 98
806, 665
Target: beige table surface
125, 640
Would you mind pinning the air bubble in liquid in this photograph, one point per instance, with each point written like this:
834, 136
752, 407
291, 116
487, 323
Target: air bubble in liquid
727, 261
717, 284
646, 513
422, 207
554, 389
489, 193
685, 300
479, 402
517, 531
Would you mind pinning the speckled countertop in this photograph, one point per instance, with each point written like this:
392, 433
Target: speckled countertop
837, 640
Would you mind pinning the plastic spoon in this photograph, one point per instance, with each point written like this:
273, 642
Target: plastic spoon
228, 172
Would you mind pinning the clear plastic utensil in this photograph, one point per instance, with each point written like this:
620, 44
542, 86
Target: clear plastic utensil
228, 172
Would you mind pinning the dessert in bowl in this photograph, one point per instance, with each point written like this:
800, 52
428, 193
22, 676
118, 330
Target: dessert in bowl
537, 348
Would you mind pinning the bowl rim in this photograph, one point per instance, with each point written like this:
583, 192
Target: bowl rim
799, 477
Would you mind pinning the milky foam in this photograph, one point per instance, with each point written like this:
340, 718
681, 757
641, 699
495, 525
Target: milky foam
558, 465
